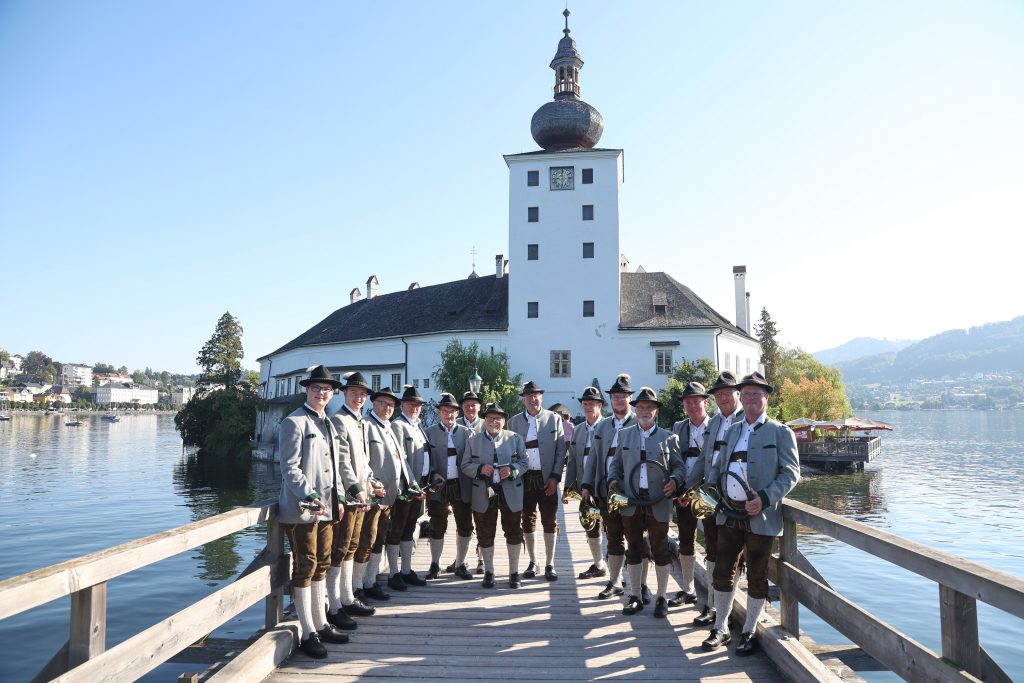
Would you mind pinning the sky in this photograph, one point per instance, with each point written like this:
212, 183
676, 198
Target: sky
164, 162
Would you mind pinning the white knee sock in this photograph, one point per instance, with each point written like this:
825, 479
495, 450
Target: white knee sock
595, 551
615, 568
646, 564
334, 588
528, 538
436, 546
372, 569
392, 551
488, 554
687, 562
406, 547
709, 600
358, 575
302, 597
513, 557
754, 607
723, 607
345, 582
549, 549
318, 595
635, 578
661, 574
461, 548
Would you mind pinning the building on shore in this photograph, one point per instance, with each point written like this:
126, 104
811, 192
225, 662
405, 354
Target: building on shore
563, 227
126, 392
181, 395
76, 375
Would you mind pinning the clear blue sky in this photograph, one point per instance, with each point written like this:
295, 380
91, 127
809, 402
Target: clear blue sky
163, 162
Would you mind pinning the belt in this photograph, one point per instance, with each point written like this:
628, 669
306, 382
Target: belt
452, 451
738, 456
533, 443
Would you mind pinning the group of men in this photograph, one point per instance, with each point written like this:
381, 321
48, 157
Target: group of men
354, 486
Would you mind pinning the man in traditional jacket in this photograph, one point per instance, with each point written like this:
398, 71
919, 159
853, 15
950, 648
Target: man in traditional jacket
447, 443
309, 507
691, 433
542, 433
495, 460
354, 469
595, 478
470, 405
648, 470
757, 468
581, 452
407, 510
727, 399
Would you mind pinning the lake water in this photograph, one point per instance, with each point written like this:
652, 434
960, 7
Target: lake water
945, 479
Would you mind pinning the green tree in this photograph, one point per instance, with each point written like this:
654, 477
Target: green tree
796, 366
457, 362
771, 353
139, 377
702, 370
4, 356
41, 366
221, 356
104, 368
165, 378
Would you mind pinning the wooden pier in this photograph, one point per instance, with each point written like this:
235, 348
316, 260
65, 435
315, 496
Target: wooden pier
839, 454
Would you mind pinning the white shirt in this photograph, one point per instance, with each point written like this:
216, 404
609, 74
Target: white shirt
732, 487
720, 437
696, 441
453, 465
643, 447
532, 454
615, 439
590, 436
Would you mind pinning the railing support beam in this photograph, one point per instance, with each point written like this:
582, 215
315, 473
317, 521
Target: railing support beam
274, 611
958, 614
789, 606
88, 624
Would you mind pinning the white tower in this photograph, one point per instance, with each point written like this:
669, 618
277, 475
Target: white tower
563, 237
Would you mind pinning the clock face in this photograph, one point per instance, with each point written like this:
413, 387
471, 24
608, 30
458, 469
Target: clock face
561, 177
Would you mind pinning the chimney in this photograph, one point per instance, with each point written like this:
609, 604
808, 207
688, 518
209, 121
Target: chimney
414, 285
371, 287
354, 296
499, 266
623, 263
739, 274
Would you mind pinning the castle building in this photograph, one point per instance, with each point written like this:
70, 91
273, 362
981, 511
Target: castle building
563, 305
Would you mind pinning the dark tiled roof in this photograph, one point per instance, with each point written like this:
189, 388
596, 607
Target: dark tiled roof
480, 303
683, 308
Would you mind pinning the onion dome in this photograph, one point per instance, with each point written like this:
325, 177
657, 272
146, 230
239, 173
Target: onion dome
567, 122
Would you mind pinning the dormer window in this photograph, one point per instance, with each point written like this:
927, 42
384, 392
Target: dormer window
660, 301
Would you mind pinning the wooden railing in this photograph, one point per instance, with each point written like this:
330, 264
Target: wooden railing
961, 583
84, 656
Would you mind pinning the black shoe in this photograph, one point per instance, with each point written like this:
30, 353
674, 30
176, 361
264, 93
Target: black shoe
645, 593
450, 568
716, 640
531, 571
312, 646
434, 570
549, 573
609, 591
488, 581
683, 598
513, 581
660, 608
462, 572
592, 573
633, 605
747, 644
411, 579
705, 618
358, 608
479, 566
342, 620
375, 592
396, 582
329, 634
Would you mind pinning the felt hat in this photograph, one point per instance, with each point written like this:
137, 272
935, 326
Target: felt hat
494, 408
646, 394
725, 380
694, 389
320, 374
411, 393
354, 380
447, 400
470, 396
621, 385
387, 393
755, 379
591, 394
531, 387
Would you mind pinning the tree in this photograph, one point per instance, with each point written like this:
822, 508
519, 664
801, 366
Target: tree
702, 370
221, 356
4, 356
139, 377
771, 353
457, 362
104, 368
41, 366
817, 399
165, 378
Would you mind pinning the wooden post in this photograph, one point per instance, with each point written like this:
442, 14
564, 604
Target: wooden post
275, 598
88, 624
958, 614
789, 606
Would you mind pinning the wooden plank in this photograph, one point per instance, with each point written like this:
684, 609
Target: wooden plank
26, 591
88, 624
273, 611
958, 616
852, 655
789, 606
261, 658
896, 651
147, 650
995, 587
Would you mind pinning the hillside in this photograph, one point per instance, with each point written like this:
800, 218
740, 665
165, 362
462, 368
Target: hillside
860, 347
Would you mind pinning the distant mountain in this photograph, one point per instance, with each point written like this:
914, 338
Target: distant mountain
860, 347
995, 347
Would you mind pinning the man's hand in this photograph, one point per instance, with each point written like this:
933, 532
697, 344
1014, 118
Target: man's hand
754, 507
670, 488
551, 488
487, 470
504, 473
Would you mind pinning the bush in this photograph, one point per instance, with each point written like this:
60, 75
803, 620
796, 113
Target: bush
221, 422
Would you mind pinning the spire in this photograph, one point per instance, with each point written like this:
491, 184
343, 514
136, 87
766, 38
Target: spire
567, 64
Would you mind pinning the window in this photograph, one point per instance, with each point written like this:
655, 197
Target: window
748, 366
531, 309
588, 212
728, 360
375, 383
588, 309
416, 383
660, 301
588, 250
298, 387
560, 363
663, 361
532, 178
426, 383
336, 376
588, 176
532, 214
396, 382
532, 252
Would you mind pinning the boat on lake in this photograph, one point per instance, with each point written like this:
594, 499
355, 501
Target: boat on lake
112, 418
73, 422
837, 445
